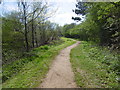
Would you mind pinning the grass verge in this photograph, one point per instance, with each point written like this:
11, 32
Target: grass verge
94, 67
29, 72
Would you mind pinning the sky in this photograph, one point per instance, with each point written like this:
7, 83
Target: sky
63, 10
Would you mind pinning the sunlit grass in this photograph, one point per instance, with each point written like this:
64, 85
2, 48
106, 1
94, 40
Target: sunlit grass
91, 68
31, 72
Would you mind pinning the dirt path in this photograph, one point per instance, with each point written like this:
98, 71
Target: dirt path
60, 74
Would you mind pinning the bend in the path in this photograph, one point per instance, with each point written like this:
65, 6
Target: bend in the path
60, 74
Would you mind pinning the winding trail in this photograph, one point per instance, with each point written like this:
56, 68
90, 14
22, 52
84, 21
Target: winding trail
60, 74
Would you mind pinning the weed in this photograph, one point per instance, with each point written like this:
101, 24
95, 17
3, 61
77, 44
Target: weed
29, 72
100, 66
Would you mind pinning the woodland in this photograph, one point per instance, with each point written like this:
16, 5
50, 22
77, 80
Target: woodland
30, 42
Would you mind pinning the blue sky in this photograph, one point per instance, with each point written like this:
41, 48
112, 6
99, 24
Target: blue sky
62, 16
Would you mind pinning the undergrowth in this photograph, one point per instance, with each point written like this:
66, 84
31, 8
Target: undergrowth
95, 67
29, 72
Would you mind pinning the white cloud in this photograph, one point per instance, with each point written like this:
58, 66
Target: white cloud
64, 14
41, 0
10, 8
61, 0
64, 18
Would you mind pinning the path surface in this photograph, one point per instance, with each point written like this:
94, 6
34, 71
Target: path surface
60, 74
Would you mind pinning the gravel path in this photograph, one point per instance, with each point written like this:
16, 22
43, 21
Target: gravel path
60, 74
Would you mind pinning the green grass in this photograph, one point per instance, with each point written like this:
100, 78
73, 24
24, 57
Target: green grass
29, 72
94, 67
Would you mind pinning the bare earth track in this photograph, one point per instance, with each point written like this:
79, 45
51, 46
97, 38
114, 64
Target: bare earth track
60, 74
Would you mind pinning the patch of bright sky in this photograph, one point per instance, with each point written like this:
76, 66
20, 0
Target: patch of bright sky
62, 16
64, 12
7, 7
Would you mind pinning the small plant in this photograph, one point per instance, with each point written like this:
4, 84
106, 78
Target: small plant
45, 47
101, 66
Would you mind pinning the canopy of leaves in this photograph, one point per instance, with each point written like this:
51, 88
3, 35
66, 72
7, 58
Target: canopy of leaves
101, 24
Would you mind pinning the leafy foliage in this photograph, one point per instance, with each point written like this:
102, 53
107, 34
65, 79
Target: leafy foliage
13, 37
101, 24
95, 67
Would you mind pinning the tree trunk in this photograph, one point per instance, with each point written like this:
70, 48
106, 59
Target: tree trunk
33, 34
25, 24
36, 39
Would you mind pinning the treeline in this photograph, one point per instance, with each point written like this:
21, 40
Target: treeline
25, 29
101, 24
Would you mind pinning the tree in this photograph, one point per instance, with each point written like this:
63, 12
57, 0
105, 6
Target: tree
24, 19
105, 17
37, 10
25, 29
66, 29
11, 36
